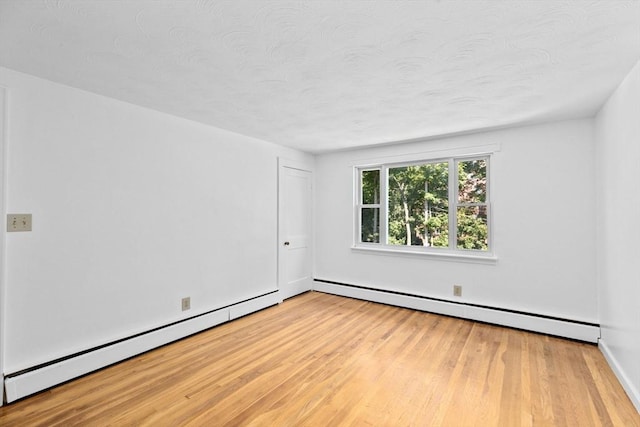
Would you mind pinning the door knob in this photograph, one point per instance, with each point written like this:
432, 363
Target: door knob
286, 243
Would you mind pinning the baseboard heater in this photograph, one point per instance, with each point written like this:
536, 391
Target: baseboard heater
42, 377
565, 328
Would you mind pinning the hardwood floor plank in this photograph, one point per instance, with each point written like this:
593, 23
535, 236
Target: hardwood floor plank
319, 360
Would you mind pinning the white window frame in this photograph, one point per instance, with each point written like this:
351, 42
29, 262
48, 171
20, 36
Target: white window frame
449, 253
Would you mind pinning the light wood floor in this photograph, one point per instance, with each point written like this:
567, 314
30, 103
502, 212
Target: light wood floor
323, 360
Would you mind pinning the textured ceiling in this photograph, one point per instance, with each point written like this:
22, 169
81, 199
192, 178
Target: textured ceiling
324, 75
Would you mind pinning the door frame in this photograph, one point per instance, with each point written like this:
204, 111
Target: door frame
306, 166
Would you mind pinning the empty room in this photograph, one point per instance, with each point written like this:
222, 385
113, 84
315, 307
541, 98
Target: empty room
319, 213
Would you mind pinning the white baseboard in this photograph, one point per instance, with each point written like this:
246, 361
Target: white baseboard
561, 328
30, 382
248, 307
632, 391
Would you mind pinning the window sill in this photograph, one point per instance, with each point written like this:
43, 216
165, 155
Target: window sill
457, 256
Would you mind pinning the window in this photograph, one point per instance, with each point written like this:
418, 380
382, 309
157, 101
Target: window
370, 208
434, 206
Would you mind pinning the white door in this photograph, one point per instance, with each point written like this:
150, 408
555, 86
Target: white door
294, 230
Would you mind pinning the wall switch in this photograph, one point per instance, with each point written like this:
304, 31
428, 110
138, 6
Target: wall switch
18, 222
186, 303
457, 290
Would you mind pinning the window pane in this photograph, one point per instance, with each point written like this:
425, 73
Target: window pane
370, 225
472, 228
418, 205
472, 181
371, 187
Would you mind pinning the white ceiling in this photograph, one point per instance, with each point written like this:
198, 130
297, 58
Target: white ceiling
325, 75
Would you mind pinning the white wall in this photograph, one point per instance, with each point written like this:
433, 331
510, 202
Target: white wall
3, 114
618, 164
132, 210
544, 225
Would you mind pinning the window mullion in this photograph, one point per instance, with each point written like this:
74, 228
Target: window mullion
487, 200
453, 200
384, 205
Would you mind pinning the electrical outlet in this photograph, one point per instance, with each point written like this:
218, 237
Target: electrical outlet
457, 290
18, 222
186, 303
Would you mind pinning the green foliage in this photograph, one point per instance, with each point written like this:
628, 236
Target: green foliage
472, 181
472, 228
419, 205
370, 225
370, 187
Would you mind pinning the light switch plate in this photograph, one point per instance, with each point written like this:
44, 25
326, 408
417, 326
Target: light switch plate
18, 222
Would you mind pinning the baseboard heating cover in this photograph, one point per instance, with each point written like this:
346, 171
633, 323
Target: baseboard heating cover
49, 375
582, 331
